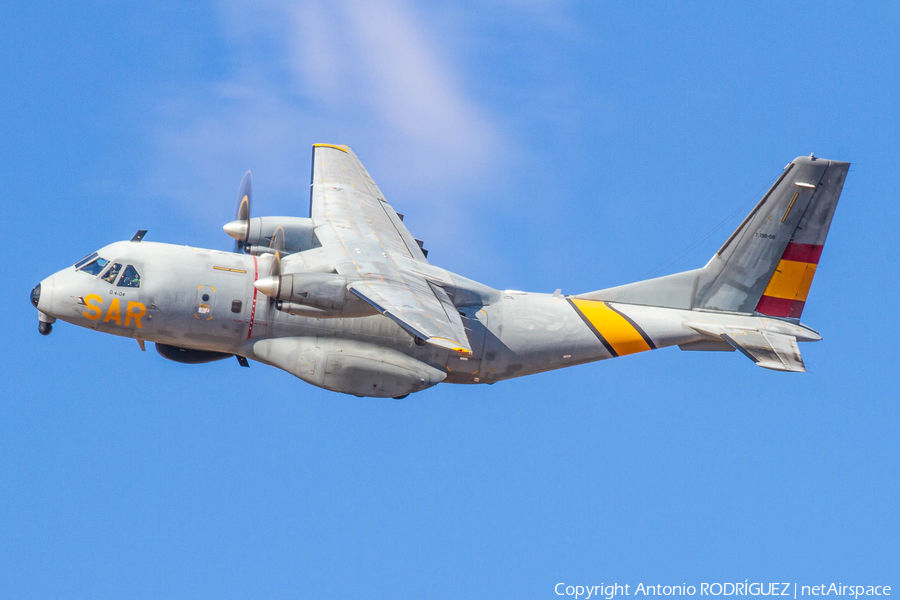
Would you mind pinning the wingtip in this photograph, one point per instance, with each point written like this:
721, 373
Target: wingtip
342, 148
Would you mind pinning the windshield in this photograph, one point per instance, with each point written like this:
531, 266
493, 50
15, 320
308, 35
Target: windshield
112, 273
130, 278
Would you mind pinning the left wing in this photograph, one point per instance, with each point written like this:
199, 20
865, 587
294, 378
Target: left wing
370, 243
426, 314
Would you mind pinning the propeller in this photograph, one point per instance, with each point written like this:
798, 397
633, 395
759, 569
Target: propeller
239, 228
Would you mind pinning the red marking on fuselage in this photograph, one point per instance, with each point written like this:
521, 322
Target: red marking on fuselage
253, 305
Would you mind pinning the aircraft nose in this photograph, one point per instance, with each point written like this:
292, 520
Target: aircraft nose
36, 295
42, 295
42, 299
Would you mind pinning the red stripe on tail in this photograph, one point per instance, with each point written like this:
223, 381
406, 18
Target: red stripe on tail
780, 307
808, 253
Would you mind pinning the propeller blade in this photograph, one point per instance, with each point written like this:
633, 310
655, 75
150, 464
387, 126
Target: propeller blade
276, 265
242, 213
277, 242
274, 275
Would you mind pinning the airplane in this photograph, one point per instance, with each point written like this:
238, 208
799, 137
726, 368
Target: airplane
346, 300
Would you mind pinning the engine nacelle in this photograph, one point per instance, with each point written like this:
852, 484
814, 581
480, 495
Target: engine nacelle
267, 234
319, 295
189, 356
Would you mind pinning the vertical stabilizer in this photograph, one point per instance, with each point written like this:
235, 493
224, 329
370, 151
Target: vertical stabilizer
767, 265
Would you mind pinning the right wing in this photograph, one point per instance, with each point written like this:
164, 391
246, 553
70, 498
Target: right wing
344, 194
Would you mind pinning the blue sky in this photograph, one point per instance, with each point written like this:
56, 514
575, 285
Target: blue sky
533, 145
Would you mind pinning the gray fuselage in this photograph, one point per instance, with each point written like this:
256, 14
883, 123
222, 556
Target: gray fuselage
205, 299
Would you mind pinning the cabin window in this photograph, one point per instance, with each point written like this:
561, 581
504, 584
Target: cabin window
112, 273
236, 306
130, 278
85, 260
94, 267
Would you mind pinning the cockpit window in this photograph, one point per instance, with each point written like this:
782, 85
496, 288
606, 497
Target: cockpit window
95, 266
84, 260
112, 273
130, 278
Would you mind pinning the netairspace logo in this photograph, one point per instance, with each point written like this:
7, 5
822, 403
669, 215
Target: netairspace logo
745, 588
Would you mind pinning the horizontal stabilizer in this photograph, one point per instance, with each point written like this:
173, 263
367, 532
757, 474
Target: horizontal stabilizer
769, 350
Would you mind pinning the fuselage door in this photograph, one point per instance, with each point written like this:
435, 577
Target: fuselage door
206, 302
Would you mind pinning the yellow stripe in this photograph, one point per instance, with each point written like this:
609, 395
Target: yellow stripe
620, 334
229, 270
790, 206
791, 280
341, 148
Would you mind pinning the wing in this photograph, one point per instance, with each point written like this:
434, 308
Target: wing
426, 314
370, 243
343, 193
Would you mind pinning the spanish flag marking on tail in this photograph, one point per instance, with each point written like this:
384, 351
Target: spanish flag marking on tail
618, 333
789, 286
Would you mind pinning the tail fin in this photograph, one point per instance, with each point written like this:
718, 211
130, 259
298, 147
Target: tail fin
767, 265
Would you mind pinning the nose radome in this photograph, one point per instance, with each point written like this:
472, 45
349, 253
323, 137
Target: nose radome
42, 296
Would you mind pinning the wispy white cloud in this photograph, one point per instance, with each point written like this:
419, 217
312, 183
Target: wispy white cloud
368, 74
410, 88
